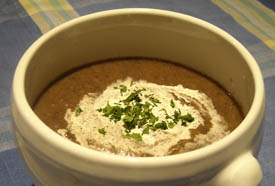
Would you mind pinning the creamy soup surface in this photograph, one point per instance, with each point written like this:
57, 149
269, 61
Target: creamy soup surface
138, 107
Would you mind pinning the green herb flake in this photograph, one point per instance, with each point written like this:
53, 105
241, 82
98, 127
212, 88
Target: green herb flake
132, 83
113, 112
177, 115
171, 124
116, 113
78, 111
128, 118
188, 118
146, 130
107, 110
162, 125
153, 119
134, 96
183, 123
102, 131
99, 110
123, 89
135, 136
154, 100
148, 95
164, 110
172, 103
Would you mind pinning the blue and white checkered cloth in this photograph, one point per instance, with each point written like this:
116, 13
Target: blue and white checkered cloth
251, 22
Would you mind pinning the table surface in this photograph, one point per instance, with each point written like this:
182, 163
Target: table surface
23, 21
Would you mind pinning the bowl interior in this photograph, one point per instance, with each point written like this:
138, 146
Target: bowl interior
146, 34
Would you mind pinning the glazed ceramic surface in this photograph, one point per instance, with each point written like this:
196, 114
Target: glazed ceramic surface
54, 161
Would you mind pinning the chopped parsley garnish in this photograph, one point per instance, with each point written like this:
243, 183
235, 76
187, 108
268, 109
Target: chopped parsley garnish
172, 103
135, 136
162, 125
183, 123
154, 100
188, 117
146, 130
122, 89
166, 114
184, 118
113, 112
102, 131
134, 96
171, 124
177, 115
78, 111
135, 111
132, 83
148, 95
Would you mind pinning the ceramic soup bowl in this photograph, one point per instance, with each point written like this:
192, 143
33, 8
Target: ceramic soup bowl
54, 161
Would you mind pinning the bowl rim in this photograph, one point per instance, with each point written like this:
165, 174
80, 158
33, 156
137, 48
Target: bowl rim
77, 151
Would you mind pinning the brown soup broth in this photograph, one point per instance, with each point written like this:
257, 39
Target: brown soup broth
68, 90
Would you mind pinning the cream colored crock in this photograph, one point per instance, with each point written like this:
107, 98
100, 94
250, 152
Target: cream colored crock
54, 161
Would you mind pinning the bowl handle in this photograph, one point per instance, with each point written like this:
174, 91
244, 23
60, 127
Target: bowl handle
242, 171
